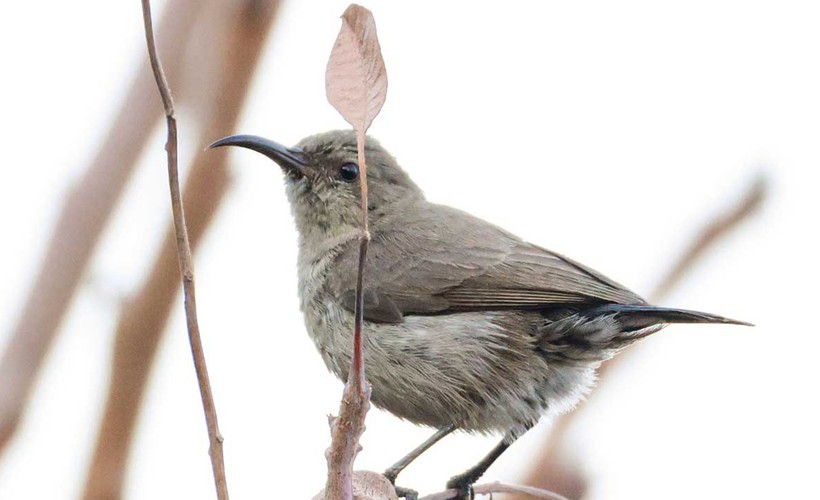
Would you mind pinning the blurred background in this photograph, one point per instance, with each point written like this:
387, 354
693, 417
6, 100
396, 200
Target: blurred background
612, 132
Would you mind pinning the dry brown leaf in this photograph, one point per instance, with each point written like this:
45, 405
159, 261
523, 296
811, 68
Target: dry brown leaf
356, 85
356, 79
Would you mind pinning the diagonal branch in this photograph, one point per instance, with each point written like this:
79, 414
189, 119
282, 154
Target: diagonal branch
83, 217
712, 234
555, 469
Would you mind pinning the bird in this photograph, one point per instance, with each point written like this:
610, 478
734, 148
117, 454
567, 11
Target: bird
466, 326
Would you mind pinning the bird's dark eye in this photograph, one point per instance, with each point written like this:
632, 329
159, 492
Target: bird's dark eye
349, 172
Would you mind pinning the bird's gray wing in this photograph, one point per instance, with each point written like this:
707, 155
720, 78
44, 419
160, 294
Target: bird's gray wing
435, 259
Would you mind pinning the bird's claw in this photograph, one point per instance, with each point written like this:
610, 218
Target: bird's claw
464, 484
406, 493
391, 474
401, 492
465, 493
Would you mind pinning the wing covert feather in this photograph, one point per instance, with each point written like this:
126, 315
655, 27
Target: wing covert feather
462, 263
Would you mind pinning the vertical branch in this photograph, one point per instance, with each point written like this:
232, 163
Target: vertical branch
356, 85
356, 376
186, 263
83, 216
240, 37
347, 428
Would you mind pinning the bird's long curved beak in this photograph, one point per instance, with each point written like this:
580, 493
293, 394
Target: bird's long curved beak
290, 159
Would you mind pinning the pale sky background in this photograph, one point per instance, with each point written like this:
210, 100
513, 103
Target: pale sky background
608, 131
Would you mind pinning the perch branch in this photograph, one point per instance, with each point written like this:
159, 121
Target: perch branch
347, 429
498, 487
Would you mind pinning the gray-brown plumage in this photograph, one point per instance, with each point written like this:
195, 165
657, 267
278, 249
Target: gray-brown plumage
466, 325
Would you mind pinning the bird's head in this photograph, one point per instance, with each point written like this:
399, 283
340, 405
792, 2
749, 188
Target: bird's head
322, 177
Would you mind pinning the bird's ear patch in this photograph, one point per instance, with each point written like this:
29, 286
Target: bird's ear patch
378, 307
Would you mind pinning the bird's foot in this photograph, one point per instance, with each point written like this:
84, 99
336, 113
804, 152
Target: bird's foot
464, 484
406, 493
391, 474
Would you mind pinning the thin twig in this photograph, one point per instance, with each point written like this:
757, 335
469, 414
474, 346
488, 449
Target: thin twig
498, 487
356, 85
349, 426
83, 216
186, 263
240, 36
554, 468
364, 240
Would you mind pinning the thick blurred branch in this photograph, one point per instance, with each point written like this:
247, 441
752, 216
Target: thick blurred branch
556, 469
710, 235
235, 53
83, 217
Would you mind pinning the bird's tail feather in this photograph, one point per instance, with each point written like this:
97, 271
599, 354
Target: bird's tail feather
634, 317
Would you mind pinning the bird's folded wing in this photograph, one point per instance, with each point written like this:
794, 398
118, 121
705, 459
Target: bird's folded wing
443, 260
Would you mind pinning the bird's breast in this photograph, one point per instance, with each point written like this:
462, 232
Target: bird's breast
477, 370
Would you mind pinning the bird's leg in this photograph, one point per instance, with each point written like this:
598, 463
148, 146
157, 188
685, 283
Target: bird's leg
394, 470
464, 481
